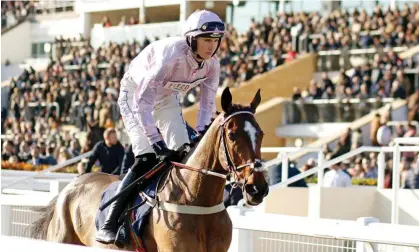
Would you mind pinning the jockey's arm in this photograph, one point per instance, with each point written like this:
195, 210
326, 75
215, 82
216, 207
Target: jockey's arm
207, 99
145, 96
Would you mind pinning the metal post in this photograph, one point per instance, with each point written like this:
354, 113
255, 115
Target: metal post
284, 166
320, 173
142, 14
396, 185
281, 6
365, 246
393, 4
381, 162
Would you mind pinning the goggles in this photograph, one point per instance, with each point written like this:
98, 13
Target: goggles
211, 27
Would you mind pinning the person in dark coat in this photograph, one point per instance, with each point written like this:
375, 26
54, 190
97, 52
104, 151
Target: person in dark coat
275, 175
109, 152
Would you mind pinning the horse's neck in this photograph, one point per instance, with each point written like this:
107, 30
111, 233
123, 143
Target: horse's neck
193, 188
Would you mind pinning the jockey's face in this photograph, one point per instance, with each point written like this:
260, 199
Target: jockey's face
206, 47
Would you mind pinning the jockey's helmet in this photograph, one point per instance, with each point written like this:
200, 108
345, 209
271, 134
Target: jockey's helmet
203, 23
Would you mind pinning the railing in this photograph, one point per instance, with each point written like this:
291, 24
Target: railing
267, 232
332, 60
283, 157
46, 171
54, 6
259, 232
330, 110
396, 150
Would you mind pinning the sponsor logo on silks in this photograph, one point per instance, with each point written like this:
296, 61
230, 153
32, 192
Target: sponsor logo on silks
183, 86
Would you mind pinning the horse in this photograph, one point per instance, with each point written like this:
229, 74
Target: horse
230, 147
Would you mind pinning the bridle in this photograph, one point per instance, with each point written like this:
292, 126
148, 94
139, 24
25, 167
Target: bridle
255, 166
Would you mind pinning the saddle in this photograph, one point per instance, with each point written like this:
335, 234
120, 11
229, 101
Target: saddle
134, 217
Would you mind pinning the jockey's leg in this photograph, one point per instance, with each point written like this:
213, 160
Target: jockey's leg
145, 159
142, 164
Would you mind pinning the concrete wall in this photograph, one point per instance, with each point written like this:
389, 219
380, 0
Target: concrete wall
16, 44
219, 7
409, 206
347, 203
111, 5
343, 203
47, 28
290, 201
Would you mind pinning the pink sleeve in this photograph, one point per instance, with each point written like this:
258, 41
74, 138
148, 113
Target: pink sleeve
208, 92
144, 99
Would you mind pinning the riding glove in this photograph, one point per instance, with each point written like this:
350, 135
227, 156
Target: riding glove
161, 150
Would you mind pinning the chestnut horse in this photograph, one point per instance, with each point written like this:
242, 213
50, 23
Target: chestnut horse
196, 219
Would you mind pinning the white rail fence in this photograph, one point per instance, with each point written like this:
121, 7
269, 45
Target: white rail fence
259, 232
396, 150
267, 232
14, 244
44, 180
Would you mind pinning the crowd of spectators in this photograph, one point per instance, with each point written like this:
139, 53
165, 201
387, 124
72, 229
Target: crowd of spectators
340, 29
12, 12
83, 87
384, 77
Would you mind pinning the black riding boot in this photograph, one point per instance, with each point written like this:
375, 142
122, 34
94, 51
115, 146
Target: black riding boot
108, 231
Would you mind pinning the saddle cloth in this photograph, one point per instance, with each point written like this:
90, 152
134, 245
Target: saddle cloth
138, 214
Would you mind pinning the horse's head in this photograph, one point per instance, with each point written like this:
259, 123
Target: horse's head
241, 140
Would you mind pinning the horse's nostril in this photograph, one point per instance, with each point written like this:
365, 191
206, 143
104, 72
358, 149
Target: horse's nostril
251, 190
255, 189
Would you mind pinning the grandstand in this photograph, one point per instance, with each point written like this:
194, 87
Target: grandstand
340, 103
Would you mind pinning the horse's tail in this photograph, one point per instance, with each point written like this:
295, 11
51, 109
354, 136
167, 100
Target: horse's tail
39, 228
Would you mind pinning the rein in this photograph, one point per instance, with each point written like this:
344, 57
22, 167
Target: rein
231, 167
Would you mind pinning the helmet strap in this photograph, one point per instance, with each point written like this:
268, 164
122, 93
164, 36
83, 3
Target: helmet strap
193, 44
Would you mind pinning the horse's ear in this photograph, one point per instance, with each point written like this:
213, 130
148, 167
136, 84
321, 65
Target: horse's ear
226, 100
256, 101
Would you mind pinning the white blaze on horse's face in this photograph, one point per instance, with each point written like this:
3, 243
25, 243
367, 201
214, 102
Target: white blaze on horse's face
251, 131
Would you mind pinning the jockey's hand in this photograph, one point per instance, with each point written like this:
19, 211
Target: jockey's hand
163, 152
202, 132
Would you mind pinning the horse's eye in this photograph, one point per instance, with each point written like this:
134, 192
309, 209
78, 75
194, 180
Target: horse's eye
231, 136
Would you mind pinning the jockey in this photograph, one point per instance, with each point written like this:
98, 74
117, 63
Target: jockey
149, 100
